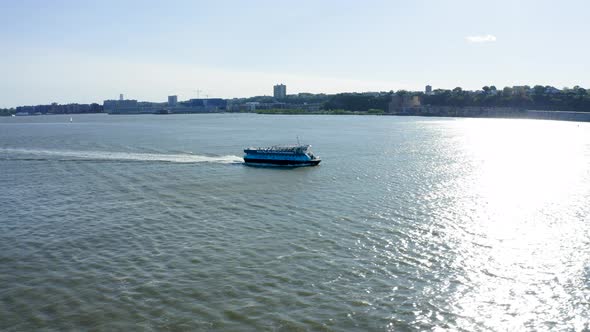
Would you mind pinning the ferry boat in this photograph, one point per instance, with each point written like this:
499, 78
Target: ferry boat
281, 155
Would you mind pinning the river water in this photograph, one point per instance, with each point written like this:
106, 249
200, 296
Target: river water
152, 223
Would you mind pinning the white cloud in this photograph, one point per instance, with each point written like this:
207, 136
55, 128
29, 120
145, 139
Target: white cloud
481, 39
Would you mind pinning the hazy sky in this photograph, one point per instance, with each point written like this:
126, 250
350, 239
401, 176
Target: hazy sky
88, 51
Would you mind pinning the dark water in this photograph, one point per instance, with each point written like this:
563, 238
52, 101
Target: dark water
152, 223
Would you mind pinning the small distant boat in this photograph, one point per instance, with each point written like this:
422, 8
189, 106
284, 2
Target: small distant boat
281, 155
71, 119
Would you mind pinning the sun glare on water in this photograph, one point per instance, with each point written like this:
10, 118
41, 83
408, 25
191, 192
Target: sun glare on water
525, 248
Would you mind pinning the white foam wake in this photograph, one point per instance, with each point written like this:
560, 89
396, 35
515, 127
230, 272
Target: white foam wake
125, 156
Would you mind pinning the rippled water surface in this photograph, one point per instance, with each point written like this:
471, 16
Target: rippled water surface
152, 223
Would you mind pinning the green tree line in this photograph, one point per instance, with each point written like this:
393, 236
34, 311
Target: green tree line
7, 111
358, 102
535, 98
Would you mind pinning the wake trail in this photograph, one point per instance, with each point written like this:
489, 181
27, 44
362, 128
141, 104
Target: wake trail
120, 156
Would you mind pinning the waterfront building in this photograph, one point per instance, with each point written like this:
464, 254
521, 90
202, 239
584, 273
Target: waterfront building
428, 90
121, 105
251, 106
56, 108
403, 104
127, 106
280, 91
200, 105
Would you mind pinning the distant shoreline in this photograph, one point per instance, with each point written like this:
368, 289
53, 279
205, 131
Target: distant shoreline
475, 113
321, 112
522, 114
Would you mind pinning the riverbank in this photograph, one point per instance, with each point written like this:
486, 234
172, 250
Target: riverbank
492, 112
468, 112
322, 112
465, 112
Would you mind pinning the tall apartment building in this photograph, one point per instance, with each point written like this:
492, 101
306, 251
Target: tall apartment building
280, 91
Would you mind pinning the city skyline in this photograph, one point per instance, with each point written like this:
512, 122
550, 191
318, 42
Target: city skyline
72, 52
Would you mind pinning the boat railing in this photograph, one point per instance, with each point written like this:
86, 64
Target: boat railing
280, 148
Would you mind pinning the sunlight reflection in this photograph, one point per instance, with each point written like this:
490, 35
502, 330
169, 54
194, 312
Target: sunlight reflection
524, 248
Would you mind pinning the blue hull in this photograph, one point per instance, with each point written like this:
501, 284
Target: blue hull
279, 162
